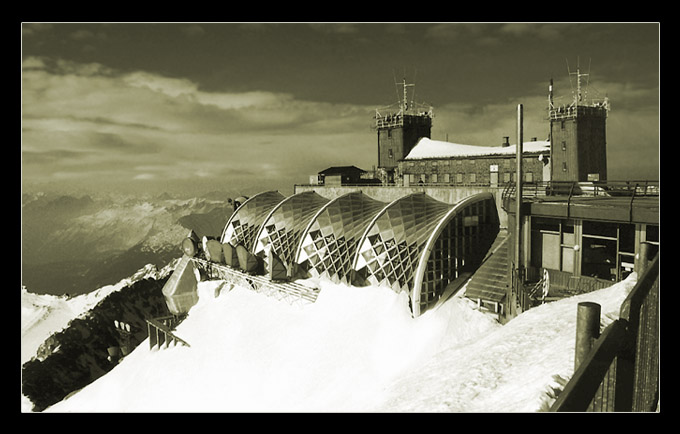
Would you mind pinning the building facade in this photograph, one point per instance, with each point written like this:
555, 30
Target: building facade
443, 163
579, 136
399, 129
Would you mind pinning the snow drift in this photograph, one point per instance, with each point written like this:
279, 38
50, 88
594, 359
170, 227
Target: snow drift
355, 349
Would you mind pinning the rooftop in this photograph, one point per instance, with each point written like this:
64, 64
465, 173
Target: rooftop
428, 148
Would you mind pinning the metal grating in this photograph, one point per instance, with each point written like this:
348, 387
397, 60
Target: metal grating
330, 241
247, 219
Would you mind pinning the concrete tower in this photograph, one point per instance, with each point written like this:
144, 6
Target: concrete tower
399, 129
578, 139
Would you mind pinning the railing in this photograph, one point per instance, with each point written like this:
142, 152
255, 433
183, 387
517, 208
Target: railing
621, 372
571, 189
160, 333
290, 291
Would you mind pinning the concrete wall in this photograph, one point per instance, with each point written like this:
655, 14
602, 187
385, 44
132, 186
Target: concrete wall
446, 194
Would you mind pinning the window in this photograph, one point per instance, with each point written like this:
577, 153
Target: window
562, 125
472, 178
564, 166
459, 178
390, 154
564, 146
552, 244
506, 177
434, 177
447, 178
529, 177
411, 178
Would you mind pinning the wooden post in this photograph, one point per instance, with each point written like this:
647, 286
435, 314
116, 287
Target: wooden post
587, 330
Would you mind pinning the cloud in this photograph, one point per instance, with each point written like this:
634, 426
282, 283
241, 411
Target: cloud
336, 28
87, 121
29, 29
193, 31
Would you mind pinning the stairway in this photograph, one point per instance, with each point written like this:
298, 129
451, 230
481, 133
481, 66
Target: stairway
489, 284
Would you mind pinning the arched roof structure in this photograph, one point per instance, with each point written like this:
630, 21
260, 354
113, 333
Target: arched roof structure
415, 244
418, 244
330, 240
282, 228
389, 248
457, 244
245, 222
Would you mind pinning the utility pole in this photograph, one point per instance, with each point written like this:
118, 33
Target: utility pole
518, 206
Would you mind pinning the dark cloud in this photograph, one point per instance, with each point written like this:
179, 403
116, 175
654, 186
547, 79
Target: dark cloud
199, 101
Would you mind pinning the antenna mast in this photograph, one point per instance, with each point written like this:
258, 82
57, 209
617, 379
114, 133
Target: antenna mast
404, 102
579, 97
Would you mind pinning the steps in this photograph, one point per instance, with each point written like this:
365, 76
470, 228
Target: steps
160, 333
489, 284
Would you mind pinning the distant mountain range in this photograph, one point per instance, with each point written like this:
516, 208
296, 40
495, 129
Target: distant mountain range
73, 245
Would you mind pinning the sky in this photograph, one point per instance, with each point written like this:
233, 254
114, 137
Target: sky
195, 107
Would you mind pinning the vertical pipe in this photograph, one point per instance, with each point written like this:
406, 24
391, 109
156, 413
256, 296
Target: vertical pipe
550, 137
518, 202
587, 330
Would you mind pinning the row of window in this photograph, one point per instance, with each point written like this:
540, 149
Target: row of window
460, 178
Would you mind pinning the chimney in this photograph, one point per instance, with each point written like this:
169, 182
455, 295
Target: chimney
506, 141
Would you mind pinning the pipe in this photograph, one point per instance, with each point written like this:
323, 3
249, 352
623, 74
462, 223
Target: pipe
518, 190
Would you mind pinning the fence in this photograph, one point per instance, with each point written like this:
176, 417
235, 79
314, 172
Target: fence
621, 371
630, 189
160, 333
290, 291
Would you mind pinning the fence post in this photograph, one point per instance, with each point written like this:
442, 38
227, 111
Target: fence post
644, 259
587, 330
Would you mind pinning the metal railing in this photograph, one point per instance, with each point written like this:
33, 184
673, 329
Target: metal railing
621, 371
570, 189
290, 291
159, 330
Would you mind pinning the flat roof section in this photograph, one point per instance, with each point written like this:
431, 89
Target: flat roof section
623, 209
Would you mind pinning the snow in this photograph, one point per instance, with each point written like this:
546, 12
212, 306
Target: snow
428, 148
43, 314
354, 350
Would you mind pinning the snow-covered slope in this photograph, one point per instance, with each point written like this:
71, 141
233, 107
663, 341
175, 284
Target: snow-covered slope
355, 349
44, 314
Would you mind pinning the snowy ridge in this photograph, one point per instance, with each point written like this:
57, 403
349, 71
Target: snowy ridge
43, 315
428, 148
355, 349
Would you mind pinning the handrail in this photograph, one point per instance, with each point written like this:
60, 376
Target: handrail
583, 385
536, 188
156, 340
627, 343
287, 288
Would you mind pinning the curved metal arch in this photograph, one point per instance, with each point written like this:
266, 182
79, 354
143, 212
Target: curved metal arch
324, 208
273, 210
427, 250
313, 219
372, 223
400, 263
242, 206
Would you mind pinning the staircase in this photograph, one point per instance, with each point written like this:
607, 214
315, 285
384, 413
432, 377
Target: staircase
489, 284
160, 332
